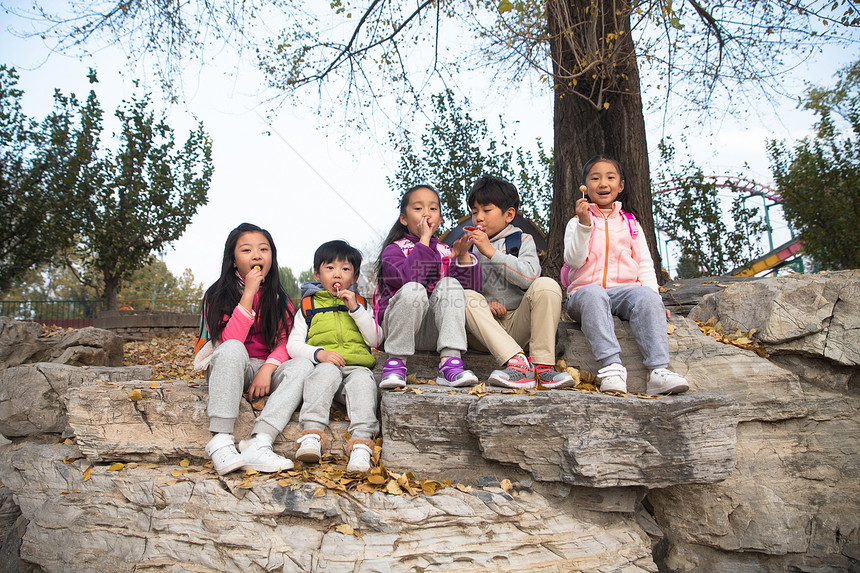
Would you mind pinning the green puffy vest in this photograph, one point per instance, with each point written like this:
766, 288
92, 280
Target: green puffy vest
336, 330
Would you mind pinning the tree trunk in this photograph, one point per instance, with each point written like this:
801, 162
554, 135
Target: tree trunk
109, 297
584, 127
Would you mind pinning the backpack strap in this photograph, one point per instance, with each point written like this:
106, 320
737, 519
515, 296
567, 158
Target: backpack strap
513, 242
309, 309
203, 332
632, 224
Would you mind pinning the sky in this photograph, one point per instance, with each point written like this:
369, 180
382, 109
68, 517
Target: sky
308, 184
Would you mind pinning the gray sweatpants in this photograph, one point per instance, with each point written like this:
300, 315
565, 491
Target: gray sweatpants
415, 319
231, 372
593, 307
353, 386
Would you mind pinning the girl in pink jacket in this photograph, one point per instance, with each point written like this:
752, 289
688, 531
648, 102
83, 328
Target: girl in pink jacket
248, 317
609, 271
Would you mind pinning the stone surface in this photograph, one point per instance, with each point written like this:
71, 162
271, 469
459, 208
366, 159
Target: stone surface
168, 422
795, 495
33, 399
19, 342
763, 390
812, 315
790, 503
140, 519
682, 295
86, 347
582, 439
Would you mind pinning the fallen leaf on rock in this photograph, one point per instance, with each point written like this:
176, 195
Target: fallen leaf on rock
319, 491
670, 328
135, 396
116, 467
507, 485
87, 473
345, 528
184, 463
245, 484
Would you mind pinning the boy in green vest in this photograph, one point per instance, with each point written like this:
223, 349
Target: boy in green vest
335, 330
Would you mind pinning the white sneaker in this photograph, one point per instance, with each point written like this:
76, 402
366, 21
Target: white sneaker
359, 459
613, 378
222, 449
664, 381
257, 455
309, 448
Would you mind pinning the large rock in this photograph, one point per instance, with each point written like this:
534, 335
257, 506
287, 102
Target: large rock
33, 399
148, 519
568, 436
792, 504
19, 342
763, 390
811, 315
142, 421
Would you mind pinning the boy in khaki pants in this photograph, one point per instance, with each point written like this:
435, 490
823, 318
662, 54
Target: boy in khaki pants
516, 308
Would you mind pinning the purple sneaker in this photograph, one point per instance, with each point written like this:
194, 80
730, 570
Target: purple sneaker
393, 374
451, 373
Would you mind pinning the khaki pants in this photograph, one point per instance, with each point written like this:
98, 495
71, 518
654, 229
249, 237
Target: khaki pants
531, 325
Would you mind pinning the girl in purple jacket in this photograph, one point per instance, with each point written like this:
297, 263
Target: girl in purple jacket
421, 285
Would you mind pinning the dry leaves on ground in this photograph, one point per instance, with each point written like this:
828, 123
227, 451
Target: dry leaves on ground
170, 357
713, 328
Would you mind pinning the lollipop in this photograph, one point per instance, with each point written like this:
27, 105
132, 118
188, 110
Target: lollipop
583, 188
258, 267
336, 287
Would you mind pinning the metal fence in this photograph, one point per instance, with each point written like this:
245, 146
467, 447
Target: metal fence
80, 313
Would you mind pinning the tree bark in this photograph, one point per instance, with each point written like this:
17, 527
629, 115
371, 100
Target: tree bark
583, 127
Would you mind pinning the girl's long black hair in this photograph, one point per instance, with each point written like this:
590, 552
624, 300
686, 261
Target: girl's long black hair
625, 195
398, 230
222, 297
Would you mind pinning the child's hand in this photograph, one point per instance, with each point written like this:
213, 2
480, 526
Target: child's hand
668, 314
582, 212
460, 249
262, 382
426, 230
348, 298
253, 280
331, 357
498, 309
482, 241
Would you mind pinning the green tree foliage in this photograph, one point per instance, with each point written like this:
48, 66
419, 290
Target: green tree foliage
455, 149
36, 162
122, 204
289, 283
376, 58
155, 282
819, 179
713, 240
140, 197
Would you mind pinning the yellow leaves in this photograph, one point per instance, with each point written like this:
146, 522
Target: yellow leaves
135, 396
505, 6
345, 528
170, 357
88, 473
506, 485
116, 467
606, 105
480, 390
670, 328
245, 484
319, 491
745, 340
184, 463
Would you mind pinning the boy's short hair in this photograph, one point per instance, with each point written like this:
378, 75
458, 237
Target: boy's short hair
337, 251
490, 190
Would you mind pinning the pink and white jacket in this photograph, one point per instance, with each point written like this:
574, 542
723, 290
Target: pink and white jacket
243, 326
610, 252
